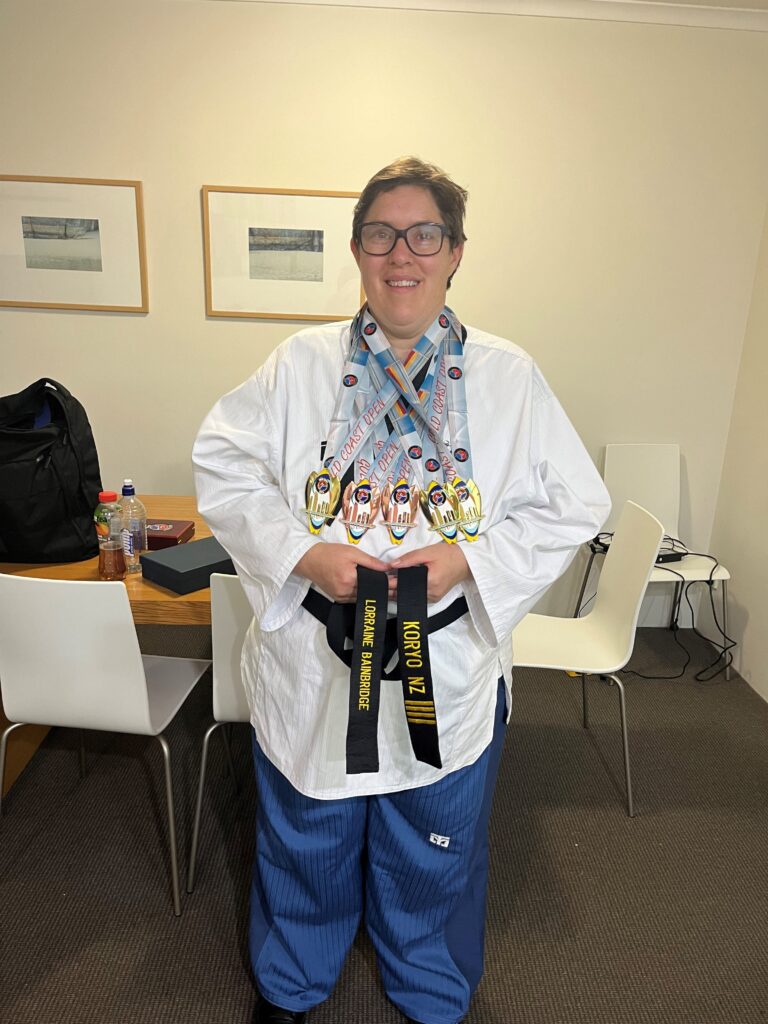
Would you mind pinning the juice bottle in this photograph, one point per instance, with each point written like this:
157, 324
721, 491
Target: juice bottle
108, 521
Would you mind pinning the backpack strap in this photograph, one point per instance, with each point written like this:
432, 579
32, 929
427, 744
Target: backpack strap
24, 403
50, 382
52, 388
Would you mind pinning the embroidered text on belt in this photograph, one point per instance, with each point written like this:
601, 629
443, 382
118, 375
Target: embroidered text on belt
375, 641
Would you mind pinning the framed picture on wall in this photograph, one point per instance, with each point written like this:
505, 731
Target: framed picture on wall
279, 254
72, 243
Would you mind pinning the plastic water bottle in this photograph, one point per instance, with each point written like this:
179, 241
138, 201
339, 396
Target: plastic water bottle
109, 523
134, 517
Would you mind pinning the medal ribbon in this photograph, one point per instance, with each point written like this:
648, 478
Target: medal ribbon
442, 393
385, 429
355, 443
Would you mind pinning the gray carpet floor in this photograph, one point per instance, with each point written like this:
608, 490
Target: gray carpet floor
593, 918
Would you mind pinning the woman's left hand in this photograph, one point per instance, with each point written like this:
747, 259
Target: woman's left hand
446, 566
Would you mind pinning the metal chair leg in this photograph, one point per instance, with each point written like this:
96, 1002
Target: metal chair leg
580, 598
3, 749
199, 807
725, 629
171, 825
584, 702
673, 616
612, 678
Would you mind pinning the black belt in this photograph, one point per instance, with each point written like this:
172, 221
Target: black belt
375, 640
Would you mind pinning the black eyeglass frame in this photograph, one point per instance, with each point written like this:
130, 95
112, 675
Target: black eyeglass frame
403, 233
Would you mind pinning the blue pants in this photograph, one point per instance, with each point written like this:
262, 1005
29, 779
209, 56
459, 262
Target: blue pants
319, 863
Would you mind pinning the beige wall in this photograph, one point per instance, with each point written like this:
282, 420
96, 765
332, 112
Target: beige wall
739, 535
618, 177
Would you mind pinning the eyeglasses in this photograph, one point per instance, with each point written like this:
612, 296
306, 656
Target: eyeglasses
423, 239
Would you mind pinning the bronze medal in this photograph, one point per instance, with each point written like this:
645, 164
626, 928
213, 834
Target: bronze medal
360, 506
399, 504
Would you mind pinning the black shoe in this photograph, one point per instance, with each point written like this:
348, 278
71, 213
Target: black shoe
267, 1013
411, 1020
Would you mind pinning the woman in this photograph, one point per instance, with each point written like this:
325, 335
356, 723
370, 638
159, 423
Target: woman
405, 463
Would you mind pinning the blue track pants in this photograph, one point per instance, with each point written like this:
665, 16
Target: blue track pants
320, 863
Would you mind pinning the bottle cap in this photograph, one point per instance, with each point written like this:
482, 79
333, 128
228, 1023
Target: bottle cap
128, 487
107, 495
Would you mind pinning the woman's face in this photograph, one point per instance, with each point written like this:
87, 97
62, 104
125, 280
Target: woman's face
405, 292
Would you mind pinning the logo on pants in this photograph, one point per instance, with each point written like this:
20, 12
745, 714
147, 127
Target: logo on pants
439, 840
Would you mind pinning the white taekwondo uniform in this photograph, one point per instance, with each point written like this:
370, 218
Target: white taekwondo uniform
542, 497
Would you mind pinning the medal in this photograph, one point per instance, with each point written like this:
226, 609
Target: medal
440, 505
469, 506
399, 504
322, 497
388, 427
360, 504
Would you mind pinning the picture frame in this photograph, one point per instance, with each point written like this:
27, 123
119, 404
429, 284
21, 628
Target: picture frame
279, 254
72, 243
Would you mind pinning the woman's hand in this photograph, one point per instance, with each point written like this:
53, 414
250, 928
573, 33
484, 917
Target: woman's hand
333, 567
446, 566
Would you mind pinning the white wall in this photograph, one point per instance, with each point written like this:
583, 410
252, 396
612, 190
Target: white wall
739, 535
618, 177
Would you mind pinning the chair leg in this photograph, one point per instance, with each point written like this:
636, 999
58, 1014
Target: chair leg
3, 749
171, 824
614, 679
725, 629
199, 807
580, 598
584, 702
673, 616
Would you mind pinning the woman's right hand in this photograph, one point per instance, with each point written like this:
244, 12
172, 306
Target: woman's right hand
333, 567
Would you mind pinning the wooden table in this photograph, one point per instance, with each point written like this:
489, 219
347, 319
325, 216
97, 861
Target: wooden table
150, 604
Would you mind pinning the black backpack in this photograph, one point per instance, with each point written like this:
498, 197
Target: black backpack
49, 477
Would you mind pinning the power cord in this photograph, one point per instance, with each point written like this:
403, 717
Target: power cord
710, 672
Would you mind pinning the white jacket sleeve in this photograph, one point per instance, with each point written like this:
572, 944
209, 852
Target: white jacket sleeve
237, 458
514, 560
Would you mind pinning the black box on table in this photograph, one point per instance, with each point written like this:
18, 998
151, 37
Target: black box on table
186, 567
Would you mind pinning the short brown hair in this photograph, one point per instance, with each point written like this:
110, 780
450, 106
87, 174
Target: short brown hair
450, 198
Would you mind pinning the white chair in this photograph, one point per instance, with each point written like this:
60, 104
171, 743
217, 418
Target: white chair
601, 642
69, 656
649, 474
231, 615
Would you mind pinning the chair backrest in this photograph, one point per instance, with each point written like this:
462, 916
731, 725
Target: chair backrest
624, 577
231, 615
69, 655
648, 474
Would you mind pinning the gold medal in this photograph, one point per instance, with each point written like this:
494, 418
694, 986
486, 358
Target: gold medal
360, 504
440, 505
399, 504
322, 497
469, 507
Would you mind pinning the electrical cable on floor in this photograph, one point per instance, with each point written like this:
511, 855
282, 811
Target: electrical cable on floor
710, 672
